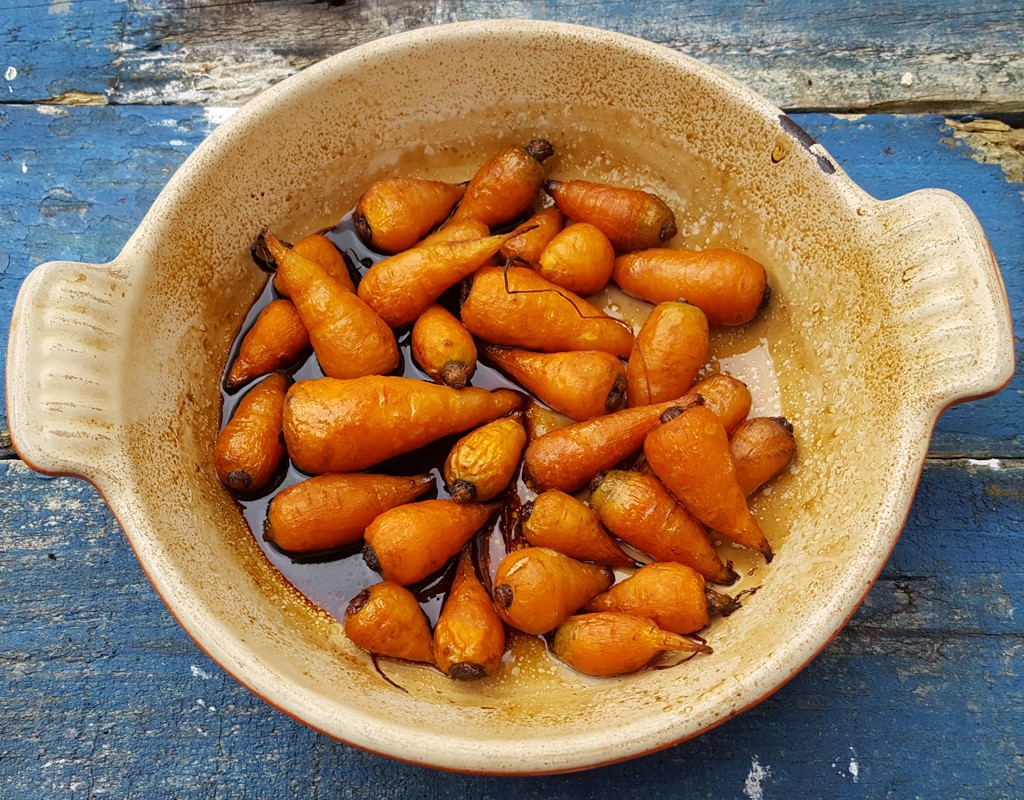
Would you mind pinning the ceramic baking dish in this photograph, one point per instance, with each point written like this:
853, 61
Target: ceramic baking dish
883, 314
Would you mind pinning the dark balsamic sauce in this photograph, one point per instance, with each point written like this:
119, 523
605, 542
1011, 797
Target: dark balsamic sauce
330, 580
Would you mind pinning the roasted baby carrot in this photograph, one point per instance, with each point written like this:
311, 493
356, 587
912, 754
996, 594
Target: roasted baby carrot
613, 643
276, 340
407, 543
482, 462
761, 449
330, 511
443, 348
539, 419
348, 337
320, 249
536, 588
580, 383
638, 509
335, 425
579, 258
528, 246
689, 452
469, 637
517, 307
506, 185
394, 213
728, 397
401, 287
249, 448
671, 595
385, 619
464, 231
558, 520
727, 286
671, 347
570, 457
630, 218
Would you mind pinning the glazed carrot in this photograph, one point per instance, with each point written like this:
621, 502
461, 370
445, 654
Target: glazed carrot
558, 520
631, 219
539, 419
690, 454
335, 425
613, 643
728, 397
464, 231
761, 449
349, 339
639, 510
443, 348
401, 287
506, 185
482, 462
569, 458
331, 511
580, 384
385, 619
727, 286
670, 595
579, 258
249, 448
528, 246
671, 347
394, 213
276, 340
536, 588
407, 543
518, 307
320, 249
469, 638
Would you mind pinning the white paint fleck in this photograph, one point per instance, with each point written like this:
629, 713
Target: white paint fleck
991, 463
24, 167
215, 115
752, 785
854, 769
907, 79
199, 672
11, 73
200, 701
59, 7
176, 143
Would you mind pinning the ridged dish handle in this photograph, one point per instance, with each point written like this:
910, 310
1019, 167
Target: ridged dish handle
66, 349
952, 311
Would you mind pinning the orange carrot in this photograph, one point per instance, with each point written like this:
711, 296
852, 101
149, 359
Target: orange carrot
335, 425
408, 543
568, 458
727, 286
469, 638
671, 347
558, 520
320, 249
536, 588
464, 231
528, 246
639, 510
276, 340
728, 397
579, 258
690, 454
331, 511
385, 619
394, 213
349, 339
631, 219
612, 643
401, 287
540, 419
482, 462
580, 384
761, 449
518, 307
249, 448
443, 347
506, 185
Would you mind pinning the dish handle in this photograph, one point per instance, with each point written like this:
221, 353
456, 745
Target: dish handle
952, 311
67, 345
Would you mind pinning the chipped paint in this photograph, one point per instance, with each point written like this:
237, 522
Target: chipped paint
11, 73
991, 141
76, 98
199, 672
752, 785
215, 115
988, 463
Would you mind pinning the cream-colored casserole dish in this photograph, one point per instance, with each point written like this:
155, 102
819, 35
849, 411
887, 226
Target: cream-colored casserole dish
882, 315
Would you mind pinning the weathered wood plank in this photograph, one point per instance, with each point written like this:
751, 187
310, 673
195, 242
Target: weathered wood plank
74, 182
921, 694
942, 56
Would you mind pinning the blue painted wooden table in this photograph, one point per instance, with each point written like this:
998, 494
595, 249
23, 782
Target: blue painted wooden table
921, 695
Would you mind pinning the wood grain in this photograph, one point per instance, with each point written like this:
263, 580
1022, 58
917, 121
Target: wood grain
941, 56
